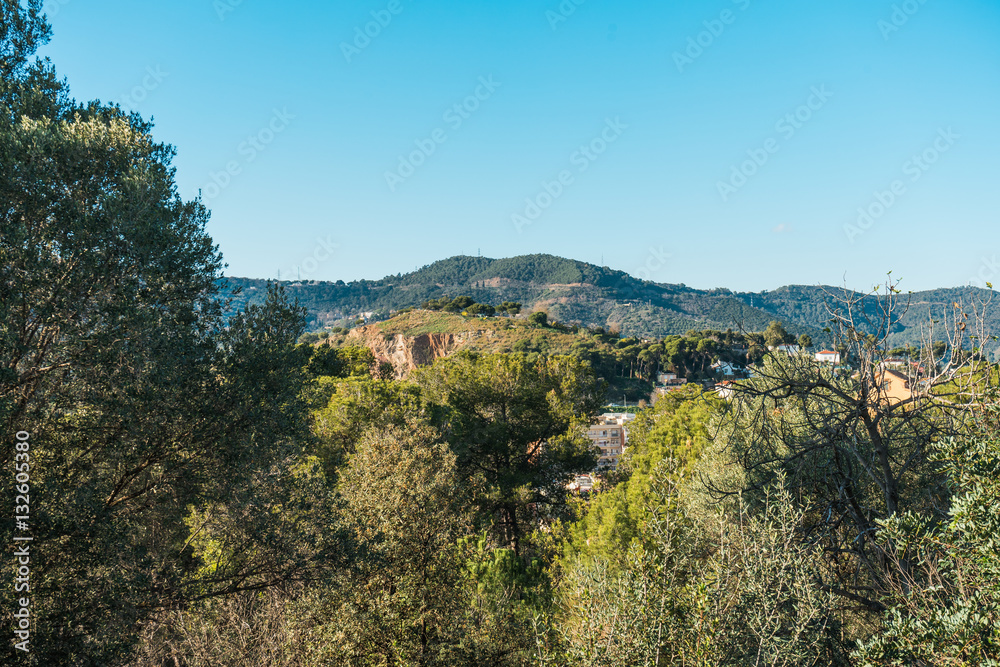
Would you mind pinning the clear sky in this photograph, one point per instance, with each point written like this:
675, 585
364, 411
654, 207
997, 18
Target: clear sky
722, 143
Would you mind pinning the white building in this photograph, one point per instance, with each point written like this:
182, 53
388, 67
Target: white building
581, 484
828, 356
725, 368
725, 389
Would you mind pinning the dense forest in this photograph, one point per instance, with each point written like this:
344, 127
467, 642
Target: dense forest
579, 293
187, 484
628, 366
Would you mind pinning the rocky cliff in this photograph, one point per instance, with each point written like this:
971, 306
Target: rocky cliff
406, 353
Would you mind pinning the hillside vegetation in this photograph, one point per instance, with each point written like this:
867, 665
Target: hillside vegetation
578, 292
191, 486
628, 365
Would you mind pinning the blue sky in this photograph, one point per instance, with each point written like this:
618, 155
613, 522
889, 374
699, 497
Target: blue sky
720, 143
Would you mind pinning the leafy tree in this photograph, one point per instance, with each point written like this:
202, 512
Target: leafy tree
342, 362
458, 304
511, 423
401, 604
676, 428
539, 318
510, 307
481, 309
946, 610
776, 335
739, 593
851, 451
805, 341
141, 400
352, 407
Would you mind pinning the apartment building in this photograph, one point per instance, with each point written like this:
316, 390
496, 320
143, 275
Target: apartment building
609, 435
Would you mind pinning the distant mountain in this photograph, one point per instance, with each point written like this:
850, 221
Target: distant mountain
573, 291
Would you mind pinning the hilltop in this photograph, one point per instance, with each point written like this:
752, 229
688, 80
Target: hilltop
577, 292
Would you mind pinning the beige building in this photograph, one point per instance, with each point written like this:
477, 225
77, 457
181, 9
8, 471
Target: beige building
895, 386
609, 436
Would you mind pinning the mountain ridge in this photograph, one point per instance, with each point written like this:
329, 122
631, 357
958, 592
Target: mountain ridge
573, 291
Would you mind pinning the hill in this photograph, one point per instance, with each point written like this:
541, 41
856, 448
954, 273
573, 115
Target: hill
578, 292
416, 338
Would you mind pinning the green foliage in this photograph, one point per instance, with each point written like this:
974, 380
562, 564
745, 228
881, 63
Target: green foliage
689, 594
676, 428
342, 362
397, 605
142, 401
353, 406
776, 335
481, 309
509, 421
539, 318
946, 606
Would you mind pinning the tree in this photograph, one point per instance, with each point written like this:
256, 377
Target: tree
340, 362
402, 603
23, 30
946, 609
805, 341
458, 304
776, 335
347, 409
675, 428
850, 450
690, 593
483, 309
539, 318
140, 398
511, 423
510, 307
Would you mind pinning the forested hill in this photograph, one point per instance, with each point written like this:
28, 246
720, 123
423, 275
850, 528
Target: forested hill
573, 291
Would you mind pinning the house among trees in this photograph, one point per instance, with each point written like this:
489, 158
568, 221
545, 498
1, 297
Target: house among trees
581, 484
725, 389
670, 380
725, 369
896, 386
609, 436
828, 356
